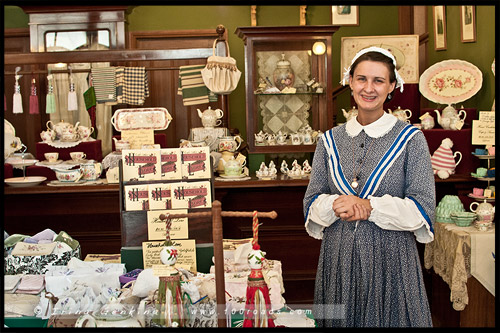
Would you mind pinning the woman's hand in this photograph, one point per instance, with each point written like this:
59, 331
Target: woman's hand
352, 208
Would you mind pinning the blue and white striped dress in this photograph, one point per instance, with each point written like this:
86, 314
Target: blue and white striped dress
369, 276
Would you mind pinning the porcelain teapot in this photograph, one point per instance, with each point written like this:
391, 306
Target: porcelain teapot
485, 211
233, 167
402, 114
450, 118
121, 144
114, 314
351, 113
260, 138
230, 143
210, 118
427, 121
62, 126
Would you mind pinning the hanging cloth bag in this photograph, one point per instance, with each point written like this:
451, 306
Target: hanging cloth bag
221, 75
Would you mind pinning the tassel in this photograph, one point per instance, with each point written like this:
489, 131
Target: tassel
17, 103
72, 98
34, 108
50, 105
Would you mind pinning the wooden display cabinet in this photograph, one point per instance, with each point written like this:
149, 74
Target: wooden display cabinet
287, 112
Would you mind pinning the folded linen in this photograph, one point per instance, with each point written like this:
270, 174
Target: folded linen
31, 284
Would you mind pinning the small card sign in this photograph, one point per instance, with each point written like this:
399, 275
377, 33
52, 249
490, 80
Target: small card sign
191, 195
136, 197
185, 247
139, 137
156, 227
160, 196
487, 116
141, 164
171, 163
195, 162
483, 132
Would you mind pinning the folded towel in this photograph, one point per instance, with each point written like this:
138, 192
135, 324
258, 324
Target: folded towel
45, 234
27, 249
191, 85
14, 239
11, 282
135, 87
104, 81
31, 284
65, 238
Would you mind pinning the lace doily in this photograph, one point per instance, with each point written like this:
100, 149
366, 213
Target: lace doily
111, 160
66, 144
450, 254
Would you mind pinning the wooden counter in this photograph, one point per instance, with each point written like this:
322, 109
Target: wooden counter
91, 214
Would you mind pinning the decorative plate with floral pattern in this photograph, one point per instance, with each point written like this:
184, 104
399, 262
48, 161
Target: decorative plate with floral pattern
142, 118
450, 81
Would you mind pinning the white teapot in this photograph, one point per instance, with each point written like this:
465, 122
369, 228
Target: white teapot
402, 114
485, 211
61, 127
351, 113
450, 118
210, 118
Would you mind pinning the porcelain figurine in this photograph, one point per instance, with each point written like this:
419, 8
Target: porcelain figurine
284, 167
427, 121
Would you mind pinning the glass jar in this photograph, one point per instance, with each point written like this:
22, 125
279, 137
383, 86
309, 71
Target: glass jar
283, 75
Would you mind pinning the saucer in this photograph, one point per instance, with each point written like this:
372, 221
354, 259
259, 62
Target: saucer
60, 183
233, 177
51, 163
76, 162
483, 156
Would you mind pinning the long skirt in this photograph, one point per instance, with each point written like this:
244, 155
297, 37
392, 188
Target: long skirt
369, 277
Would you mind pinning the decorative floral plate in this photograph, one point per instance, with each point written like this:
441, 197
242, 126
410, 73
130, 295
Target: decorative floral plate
25, 181
141, 118
450, 81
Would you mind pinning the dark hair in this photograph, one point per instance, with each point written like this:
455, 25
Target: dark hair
379, 57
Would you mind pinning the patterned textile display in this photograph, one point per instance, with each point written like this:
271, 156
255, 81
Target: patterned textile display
191, 86
135, 85
104, 84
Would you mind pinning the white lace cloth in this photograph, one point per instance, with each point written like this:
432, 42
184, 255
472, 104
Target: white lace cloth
450, 255
66, 144
111, 160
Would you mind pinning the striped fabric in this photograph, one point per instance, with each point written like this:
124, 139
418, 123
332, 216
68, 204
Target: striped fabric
443, 159
191, 85
120, 78
104, 84
135, 85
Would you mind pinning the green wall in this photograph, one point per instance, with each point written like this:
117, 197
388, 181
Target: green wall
480, 53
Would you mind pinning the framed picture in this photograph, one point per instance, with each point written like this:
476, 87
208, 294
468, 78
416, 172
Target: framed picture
439, 18
345, 15
468, 24
403, 47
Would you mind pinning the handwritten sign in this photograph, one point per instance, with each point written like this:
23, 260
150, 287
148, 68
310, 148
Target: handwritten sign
483, 132
185, 247
156, 227
487, 116
138, 138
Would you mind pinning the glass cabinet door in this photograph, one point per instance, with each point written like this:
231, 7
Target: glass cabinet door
288, 86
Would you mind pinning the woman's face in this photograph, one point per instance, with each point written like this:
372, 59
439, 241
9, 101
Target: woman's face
370, 85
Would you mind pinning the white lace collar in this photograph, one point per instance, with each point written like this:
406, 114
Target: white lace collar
377, 129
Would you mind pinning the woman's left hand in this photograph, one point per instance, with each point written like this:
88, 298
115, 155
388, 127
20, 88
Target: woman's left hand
351, 208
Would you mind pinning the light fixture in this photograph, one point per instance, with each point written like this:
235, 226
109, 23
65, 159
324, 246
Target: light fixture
319, 48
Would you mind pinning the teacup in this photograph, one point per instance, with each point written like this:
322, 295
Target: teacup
77, 155
72, 175
478, 192
481, 172
69, 134
51, 157
480, 151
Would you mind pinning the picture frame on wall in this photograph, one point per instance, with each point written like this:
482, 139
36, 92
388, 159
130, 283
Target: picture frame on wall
439, 21
403, 47
468, 24
345, 15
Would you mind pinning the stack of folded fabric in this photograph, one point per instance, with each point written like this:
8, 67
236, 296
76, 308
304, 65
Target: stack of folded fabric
191, 86
31, 284
11, 282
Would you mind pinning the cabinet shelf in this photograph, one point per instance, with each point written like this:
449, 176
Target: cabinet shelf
283, 149
289, 94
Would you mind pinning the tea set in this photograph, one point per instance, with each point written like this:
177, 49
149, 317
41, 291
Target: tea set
401, 114
89, 171
451, 210
305, 135
65, 132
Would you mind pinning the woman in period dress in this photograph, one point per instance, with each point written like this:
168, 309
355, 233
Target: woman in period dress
370, 198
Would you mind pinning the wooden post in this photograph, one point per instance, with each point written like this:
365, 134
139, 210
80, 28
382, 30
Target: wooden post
219, 267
